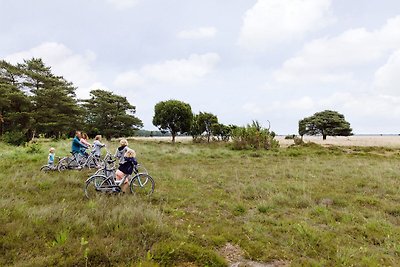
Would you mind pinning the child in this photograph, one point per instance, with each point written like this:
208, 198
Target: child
50, 158
84, 140
126, 168
97, 146
121, 150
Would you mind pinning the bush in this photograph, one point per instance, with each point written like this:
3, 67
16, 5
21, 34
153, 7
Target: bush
34, 148
175, 253
298, 141
253, 137
290, 137
15, 138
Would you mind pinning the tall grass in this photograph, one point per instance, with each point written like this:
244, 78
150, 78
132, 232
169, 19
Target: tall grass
305, 205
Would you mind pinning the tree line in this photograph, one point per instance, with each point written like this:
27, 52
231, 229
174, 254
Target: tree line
35, 102
176, 117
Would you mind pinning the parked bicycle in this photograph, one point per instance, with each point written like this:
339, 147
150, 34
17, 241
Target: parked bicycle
140, 183
48, 167
78, 161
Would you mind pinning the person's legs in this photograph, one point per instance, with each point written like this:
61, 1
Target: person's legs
119, 175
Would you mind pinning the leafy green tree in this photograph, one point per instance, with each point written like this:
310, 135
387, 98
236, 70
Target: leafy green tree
173, 116
202, 123
221, 131
110, 115
325, 123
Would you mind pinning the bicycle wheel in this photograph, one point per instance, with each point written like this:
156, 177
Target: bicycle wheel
142, 184
63, 164
45, 168
95, 185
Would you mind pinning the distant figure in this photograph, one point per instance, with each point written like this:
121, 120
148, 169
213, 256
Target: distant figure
126, 168
121, 150
77, 145
97, 146
50, 158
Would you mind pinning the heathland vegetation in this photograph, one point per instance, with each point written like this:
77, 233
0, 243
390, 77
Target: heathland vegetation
231, 195
302, 205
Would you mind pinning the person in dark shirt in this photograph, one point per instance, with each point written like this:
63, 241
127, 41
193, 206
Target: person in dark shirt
126, 168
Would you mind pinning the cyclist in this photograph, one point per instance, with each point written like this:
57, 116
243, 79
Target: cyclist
126, 168
78, 147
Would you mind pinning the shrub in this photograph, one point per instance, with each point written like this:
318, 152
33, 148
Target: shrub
34, 148
173, 253
253, 137
290, 137
15, 138
298, 141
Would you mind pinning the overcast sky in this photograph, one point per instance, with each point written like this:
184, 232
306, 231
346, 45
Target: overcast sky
243, 60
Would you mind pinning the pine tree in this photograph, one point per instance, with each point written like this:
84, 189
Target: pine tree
110, 115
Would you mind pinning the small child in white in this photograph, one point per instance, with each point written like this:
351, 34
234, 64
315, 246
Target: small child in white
97, 146
50, 158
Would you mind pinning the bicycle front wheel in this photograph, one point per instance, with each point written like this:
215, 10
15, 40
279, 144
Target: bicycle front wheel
63, 164
95, 185
142, 184
45, 168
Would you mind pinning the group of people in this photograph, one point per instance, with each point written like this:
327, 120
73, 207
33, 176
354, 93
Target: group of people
125, 155
80, 144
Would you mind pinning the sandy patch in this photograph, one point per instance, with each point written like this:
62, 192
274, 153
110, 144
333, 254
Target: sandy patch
377, 141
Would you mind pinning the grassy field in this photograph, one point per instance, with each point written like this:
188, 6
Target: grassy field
301, 206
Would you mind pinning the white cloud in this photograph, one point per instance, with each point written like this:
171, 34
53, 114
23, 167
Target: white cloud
335, 59
199, 33
387, 78
63, 61
123, 4
176, 71
129, 79
270, 22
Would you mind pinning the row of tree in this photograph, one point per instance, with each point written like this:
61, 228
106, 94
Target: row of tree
176, 117
36, 102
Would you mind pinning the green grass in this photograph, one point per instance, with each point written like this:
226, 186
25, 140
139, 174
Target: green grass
270, 203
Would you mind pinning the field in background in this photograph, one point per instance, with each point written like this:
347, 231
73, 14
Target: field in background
358, 140
310, 205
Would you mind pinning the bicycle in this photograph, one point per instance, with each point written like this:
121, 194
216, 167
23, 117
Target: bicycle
140, 183
54, 167
78, 162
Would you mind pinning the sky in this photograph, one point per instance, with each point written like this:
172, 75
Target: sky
242, 60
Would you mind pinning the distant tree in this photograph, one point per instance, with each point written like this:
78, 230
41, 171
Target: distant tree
325, 123
221, 131
55, 108
202, 123
173, 116
15, 106
110, 115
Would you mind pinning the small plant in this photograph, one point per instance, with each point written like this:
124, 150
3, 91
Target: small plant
239, 210
84, 244
60, 238
33, 148
264, 208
